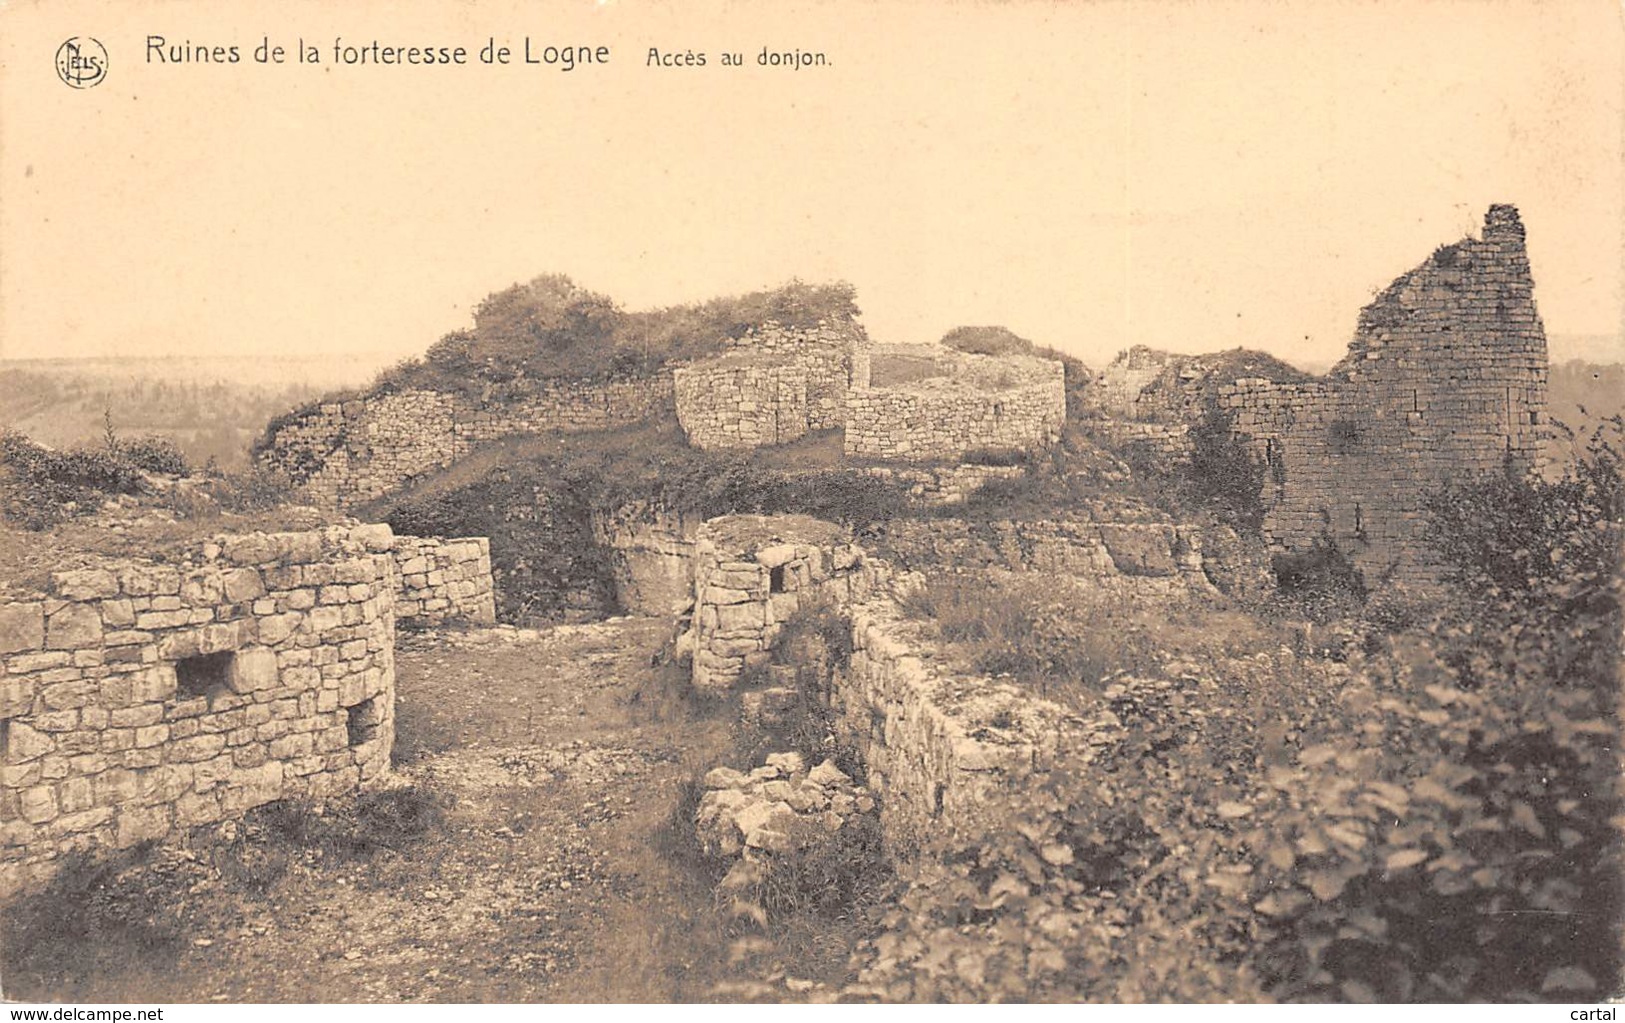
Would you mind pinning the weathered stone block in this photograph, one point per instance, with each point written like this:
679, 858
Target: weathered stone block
252, 670
84, 584
22, 627
73, 626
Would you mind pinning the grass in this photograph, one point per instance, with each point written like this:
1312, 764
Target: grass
1064, 639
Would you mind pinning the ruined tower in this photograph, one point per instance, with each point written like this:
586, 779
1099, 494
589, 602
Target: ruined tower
1445, 378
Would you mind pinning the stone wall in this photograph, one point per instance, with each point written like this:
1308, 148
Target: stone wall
742, 401
1146, 556
345, 453
139, 699
947, 754
444, 581
773, 384
1445, 378
651, 557
751, 573
1008, 402
823, 353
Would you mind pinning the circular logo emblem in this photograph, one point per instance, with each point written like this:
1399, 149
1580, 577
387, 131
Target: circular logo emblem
81, 62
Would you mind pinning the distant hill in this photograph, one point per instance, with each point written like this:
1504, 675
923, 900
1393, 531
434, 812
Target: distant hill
210, 407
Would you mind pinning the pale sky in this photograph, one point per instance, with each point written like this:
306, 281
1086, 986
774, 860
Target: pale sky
1091, 175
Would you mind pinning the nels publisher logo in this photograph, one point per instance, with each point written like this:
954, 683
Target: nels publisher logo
81, 62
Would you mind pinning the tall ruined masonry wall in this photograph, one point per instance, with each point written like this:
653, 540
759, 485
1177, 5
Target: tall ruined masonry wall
1445, 379
346, 453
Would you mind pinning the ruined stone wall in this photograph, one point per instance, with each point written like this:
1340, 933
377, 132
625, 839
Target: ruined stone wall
1146, 556
742, 401
345, 453
651, 557
444, 581
989, 402
751, 573
139, 699
1445, 378
947, 754
823, 353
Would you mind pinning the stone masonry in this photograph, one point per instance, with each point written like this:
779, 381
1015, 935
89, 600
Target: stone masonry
986, 402
751, 572
443, 581
824, 355
1445, 378
138, 699
741, 401
343, 453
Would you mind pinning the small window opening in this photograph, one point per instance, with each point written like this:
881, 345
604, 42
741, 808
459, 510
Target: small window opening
202, 675
363, 721
775, 579
5, 740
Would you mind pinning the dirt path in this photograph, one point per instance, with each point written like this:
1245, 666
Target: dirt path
560, 755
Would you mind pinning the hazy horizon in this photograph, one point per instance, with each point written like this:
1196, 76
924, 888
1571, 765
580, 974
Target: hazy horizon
1093, 177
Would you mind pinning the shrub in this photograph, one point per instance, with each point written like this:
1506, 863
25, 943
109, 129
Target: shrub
987, 341
828, 874
154, 454
43, 486
817, 642
1225, 475
1514, 531
1319, 583
551, 328
1461, 843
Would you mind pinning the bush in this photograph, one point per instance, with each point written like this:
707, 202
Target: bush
817, 642
1461, 843
987, 341
154, 454
1319, 583
1517, 531
42, 486
553, 329
829, 874
1225, 476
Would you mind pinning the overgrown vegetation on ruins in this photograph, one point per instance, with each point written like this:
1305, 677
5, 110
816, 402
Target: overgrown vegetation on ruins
538, 508
40, 487
1433, 820
552, 328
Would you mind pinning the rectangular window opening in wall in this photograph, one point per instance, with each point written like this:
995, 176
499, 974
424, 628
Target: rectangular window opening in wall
775, 579
202, 675
5, 741
363, 721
